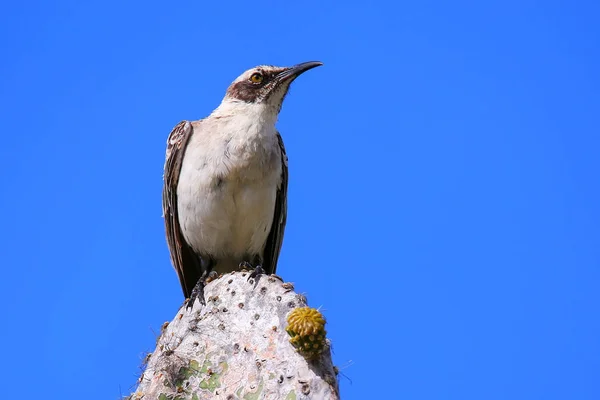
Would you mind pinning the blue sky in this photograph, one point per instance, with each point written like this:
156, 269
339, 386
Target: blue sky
443, 199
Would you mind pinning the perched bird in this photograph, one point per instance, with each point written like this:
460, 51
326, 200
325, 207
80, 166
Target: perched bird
225, 182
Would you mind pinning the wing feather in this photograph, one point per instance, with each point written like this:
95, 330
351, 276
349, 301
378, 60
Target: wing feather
275, 238
183, 258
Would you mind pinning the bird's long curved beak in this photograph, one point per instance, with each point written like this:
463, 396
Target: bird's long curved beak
298, 69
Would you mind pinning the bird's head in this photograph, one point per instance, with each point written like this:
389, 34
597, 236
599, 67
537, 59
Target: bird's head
266, 85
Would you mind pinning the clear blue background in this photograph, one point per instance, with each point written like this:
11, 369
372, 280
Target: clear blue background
444, 187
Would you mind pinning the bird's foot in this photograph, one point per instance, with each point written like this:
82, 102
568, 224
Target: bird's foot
211, 277
245, 265
198, 291
258, 271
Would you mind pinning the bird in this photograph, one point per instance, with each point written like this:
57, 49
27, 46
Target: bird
225, 182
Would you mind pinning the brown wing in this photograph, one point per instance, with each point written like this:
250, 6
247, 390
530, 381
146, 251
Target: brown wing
275, 238
184, 260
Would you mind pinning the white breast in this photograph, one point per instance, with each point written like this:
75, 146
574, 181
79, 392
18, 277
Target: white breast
227, 187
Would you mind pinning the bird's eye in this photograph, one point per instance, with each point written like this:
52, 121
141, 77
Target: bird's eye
256, 78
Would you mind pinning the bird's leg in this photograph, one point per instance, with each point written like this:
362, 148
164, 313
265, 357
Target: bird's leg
206, 271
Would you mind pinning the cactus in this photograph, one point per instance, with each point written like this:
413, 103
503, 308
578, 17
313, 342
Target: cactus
306, 326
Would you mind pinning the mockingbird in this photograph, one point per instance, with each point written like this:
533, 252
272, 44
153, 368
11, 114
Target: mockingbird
225, 182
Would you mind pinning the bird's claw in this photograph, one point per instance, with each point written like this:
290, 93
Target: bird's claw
211, 276
198, 291
245, 265
258, 270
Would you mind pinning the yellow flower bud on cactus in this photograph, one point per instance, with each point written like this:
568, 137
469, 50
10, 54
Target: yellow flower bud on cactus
306, 326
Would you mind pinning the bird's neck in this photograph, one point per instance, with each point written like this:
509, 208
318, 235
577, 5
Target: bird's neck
257, 114
248, 127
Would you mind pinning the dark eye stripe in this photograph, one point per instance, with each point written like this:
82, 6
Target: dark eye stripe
249, 91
